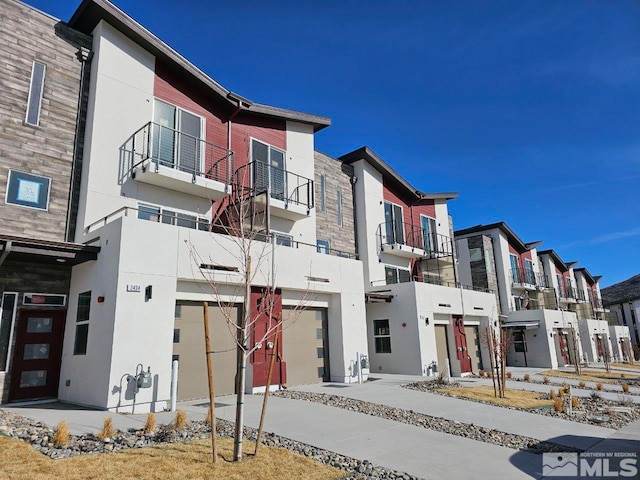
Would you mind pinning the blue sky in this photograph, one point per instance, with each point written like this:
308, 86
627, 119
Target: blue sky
530, 110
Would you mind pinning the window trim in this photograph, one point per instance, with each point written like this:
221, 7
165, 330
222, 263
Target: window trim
31, 93
14, 315
376, 335
39, 177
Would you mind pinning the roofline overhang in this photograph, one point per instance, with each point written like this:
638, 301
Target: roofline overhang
388, 173
90, 12
590, 278
64, 252
556, 259
513, 239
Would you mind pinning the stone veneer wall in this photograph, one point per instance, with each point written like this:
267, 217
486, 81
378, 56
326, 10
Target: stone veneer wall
337, 177
48, 149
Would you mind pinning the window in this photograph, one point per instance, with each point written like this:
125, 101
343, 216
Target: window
322, 246
82, 323
269, 169
7, 318
394, 226
169, 217
528, 268
404, 275
514, 268
36, 87
176, 335
323, 193
428, 226
339, 205
28, 190
519, 341
382, 336
284, 240
391, 275
177, 138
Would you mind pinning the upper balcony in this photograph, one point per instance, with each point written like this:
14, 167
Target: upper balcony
524, 279
597, 304
411, 241
290, 195
178, 161
567, 294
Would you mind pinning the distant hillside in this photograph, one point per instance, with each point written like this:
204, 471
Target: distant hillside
625, 291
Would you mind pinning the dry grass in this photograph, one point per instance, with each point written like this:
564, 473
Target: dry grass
582, 384
61, 436
558, 404
509, 374
560, 392
181, 419
552, 394
587, 375
625, 387
191, 460
599, 386
575, 402
625, 365
513, 398
150, 424
107, 429
527, 377
546, 380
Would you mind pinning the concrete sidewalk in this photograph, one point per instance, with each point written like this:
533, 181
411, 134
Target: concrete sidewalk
540, 427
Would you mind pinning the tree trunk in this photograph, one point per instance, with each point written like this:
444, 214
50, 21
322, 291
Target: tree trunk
242, 366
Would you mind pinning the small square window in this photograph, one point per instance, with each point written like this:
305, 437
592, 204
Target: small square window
82, 335
28, 190
145, 212
176, 335
322, 246
84, 307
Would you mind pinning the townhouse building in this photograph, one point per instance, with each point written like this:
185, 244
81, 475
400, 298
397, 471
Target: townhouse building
420, 317
172, 174
45, 67
623, 301
542, 331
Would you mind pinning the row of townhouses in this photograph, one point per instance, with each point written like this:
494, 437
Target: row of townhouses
119, 159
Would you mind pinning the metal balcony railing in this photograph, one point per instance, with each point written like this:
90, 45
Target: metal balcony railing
580, 296
542, 281
401, 233
523, 276
168, 147
597, 303
281, 184
567, 292
433, 280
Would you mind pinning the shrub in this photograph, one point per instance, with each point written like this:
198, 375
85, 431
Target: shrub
61, 436
490, 374
150, 424
546, 380
561, 392
575, 402
552, 394
180, 420
625, 387
558, 404
622, 375
481, 373
527, 377
107, 429
595, 396
599, 386
582, 384
509, 374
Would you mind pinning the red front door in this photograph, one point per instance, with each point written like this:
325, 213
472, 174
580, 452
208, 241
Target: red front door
460, 338
35, 369
266, 311
564, 347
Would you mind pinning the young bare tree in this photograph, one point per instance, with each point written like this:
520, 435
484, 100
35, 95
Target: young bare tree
498, 344
240, 234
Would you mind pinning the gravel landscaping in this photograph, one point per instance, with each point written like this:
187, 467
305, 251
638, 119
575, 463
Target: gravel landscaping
553, 382
467, 430
40, 437
592, 410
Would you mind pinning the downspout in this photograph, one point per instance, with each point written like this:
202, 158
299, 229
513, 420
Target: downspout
84, 55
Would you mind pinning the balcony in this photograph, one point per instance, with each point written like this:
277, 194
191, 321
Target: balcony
177, 161
523, 279
540, 300
567, 294
290, 195
597, 304
411, 241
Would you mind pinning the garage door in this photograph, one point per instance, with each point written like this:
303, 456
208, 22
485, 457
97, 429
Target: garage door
473, 346
305, 346
441, 346
189, 350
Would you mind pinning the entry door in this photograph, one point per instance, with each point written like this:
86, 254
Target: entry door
38, 351
429, 234
266, 310
393, 223
564, 347
460, 338
189, 135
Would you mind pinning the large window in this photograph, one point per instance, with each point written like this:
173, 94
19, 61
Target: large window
284, 240
396, 275
169, 217
82, 324
177, 138
519, 341
394, 227
36, 88
514, 268
28, 190
428, 225
382, 336
528, 267
269, 169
